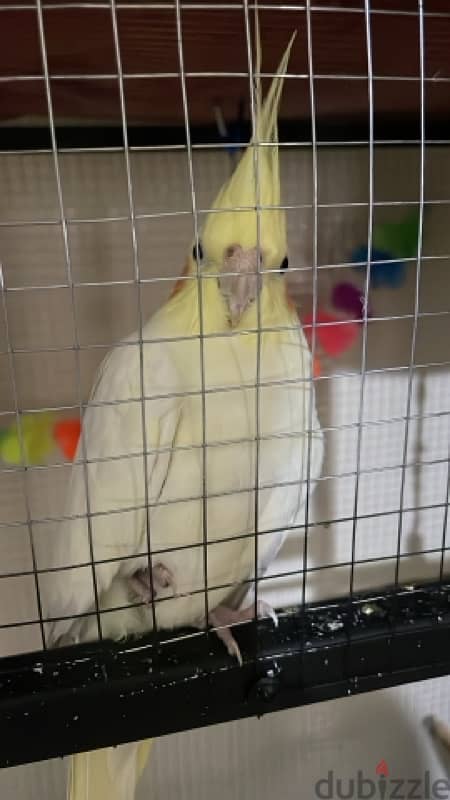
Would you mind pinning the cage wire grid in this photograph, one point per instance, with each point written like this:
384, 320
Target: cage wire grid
284, 666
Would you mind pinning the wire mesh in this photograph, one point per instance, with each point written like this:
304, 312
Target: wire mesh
365, 300
400, 450
72, 297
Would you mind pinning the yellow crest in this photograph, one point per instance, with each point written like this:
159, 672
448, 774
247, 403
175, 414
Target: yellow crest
255, 183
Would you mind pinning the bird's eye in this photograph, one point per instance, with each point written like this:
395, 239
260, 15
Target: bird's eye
197, 252
285, 263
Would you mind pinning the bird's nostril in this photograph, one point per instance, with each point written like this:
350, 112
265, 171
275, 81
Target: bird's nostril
231, 250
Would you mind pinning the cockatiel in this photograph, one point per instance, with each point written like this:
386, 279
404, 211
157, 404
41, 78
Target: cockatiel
203, 441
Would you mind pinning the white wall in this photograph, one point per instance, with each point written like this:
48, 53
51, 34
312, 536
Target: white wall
287, 752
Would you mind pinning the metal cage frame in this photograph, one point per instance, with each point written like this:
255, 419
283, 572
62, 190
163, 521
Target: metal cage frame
322, 651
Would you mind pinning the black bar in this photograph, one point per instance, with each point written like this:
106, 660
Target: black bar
93, 695
341, 130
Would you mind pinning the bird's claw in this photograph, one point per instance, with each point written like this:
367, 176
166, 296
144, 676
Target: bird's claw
266, 610
163, 577
234, 650
146, 588
222, 617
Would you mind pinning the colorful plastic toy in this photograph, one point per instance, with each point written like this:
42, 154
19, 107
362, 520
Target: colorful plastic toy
66, 434
334, 334
36, 439
392, 243
349, 298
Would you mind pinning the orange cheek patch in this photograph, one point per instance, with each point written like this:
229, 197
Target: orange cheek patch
290, 302
180, 282
317, 367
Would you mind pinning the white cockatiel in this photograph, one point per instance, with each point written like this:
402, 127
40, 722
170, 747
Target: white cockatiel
198, 390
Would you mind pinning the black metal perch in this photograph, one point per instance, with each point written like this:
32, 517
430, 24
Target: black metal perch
58, 702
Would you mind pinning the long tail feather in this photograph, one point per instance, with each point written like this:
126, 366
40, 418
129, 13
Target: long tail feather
111, 773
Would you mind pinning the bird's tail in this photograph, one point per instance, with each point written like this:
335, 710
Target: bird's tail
108, 774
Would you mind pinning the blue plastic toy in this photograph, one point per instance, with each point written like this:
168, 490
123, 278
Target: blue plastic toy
392, 243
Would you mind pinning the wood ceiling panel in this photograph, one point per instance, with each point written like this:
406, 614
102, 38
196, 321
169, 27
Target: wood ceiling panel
80, 42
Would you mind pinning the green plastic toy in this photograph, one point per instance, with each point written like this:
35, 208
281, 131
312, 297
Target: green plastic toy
37, 440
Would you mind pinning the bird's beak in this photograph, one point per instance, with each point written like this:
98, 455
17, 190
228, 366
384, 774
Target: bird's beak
239, 279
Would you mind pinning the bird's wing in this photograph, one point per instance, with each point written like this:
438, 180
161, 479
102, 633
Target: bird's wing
105, 515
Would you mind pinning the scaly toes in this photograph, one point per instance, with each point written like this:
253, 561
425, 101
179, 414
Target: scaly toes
266, 610
234, 650
163, 577
220, 619
140, 584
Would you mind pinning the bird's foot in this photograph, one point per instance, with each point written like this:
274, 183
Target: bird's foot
222, 617
146, 589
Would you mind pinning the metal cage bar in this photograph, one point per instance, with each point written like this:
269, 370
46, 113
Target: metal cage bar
418, 275
366, 286
137, 280
48, 95
359, 641
199, 278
